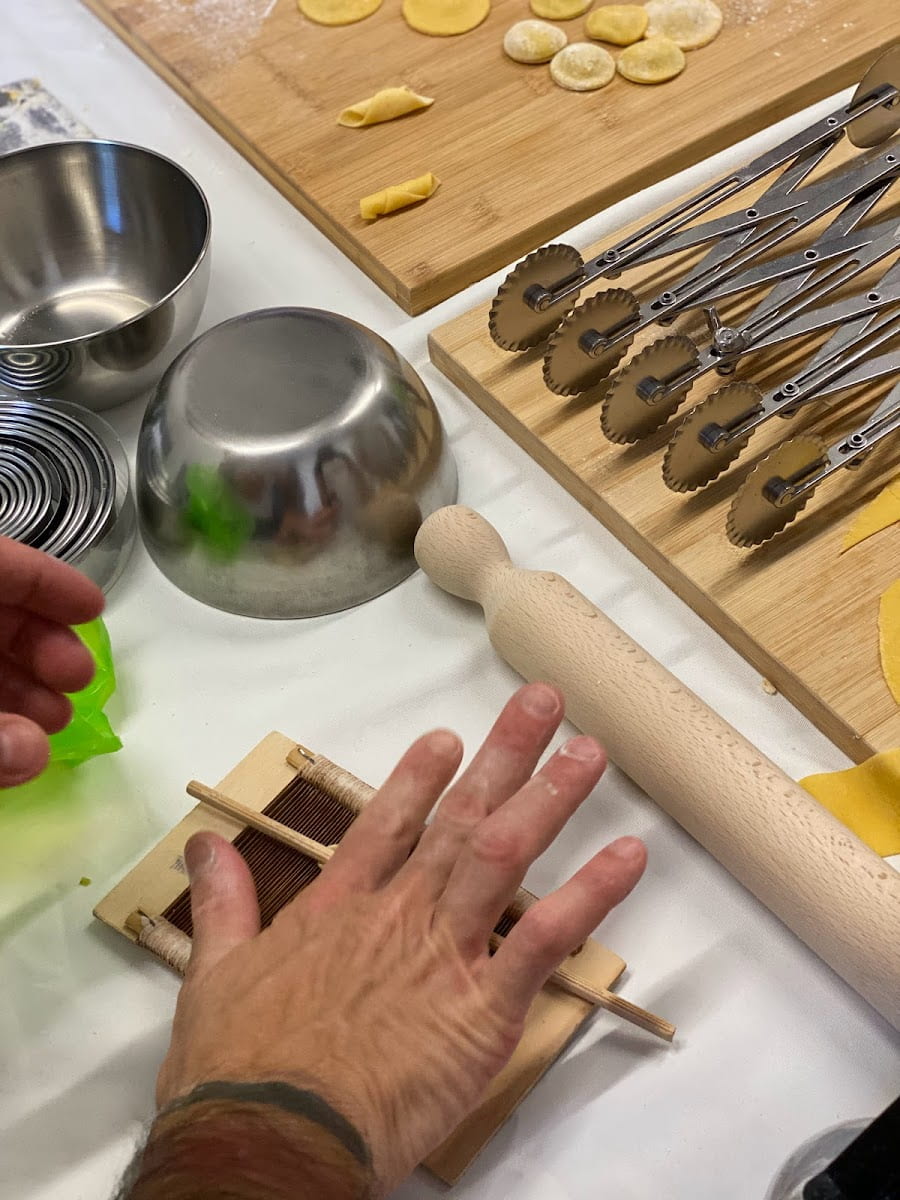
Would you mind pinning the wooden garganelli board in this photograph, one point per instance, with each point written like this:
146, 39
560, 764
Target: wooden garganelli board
798, 609
159, 879
519, 159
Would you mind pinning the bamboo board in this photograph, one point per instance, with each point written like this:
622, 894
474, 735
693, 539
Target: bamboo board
520, 159
555, 1017
805, 615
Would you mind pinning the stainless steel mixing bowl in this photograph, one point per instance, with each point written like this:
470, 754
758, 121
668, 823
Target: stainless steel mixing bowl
286, 463
103, 270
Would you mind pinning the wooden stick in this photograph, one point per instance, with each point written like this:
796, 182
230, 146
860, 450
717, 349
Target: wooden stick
799, 860
322, 854
274, 829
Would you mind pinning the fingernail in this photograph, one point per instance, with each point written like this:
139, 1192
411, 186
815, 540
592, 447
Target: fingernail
443, 742
199, 856
628, 849
13, 747
7, 748
540, 701
584, 749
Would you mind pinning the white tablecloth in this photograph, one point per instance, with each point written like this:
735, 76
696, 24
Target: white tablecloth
772, 1047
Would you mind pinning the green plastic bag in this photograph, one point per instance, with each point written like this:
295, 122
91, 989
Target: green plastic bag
89, 733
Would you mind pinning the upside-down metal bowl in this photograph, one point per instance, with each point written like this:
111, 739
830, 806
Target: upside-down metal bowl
285, 465
104, 270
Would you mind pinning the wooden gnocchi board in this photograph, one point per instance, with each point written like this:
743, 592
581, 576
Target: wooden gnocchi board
804, 614
520, 159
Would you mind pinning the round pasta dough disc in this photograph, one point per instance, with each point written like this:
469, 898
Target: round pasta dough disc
533, 41
559, 10
688, 23
652, 61
620, 24
444, 18
582, 67
337, 12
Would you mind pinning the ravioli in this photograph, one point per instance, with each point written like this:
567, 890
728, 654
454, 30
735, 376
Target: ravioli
688, 23
390, 199
533, 41
620, 24
654, 60
386, 105
582, 67
445, 18
559, 10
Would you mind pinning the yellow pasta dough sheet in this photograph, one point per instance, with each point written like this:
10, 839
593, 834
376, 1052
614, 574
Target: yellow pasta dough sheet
866, 799
390, 199
883, 511
386, 105
889, 637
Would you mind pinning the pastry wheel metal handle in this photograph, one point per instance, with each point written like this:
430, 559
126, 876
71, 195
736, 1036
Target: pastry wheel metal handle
870, 118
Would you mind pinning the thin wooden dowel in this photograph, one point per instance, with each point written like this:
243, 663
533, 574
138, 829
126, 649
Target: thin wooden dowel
567, 982
274, 829
562, 978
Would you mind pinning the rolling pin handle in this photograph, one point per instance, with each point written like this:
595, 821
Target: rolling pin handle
460, 551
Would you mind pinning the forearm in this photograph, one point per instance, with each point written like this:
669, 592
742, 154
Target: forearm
234, 1149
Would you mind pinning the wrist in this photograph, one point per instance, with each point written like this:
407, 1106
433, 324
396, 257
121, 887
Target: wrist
251, 1142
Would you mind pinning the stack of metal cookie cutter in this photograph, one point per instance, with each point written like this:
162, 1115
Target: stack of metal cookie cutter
64, 486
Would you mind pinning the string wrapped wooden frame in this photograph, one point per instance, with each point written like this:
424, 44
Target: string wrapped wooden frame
304, 791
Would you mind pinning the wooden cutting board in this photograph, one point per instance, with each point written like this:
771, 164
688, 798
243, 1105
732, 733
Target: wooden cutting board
520, 159
804, 614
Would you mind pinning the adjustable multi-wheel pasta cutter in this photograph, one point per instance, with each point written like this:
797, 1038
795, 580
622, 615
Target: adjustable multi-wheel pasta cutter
808, 292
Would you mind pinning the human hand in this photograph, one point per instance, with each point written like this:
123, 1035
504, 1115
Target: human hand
40, 657
374, 988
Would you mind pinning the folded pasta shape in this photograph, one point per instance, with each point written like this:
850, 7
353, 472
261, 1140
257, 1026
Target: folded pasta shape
402, 194
386, 105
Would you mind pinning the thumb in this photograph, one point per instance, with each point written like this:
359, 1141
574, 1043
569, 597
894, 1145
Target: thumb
24, 750
224, 907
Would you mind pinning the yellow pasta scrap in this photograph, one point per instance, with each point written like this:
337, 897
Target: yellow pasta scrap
688, 23
533, 41
620, 24
386, 105
883, 511
445, 18
889, 637
866, 799
652, 61
400, 196
559, 10
338, 12
582, 67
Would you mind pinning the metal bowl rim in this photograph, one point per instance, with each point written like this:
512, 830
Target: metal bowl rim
34, 347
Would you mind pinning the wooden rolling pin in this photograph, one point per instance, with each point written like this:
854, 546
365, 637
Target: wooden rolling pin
793, 855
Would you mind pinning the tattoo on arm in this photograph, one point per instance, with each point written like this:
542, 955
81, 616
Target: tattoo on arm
250, 1141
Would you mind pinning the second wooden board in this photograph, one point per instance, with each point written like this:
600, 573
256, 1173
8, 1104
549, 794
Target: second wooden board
519, 158
802, 612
